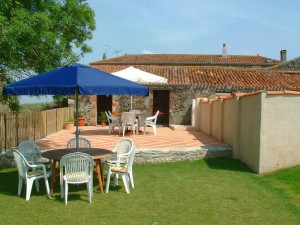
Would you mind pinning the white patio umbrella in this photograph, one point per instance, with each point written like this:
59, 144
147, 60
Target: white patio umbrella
140, 76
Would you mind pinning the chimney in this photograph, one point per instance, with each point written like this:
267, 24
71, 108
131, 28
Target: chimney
224, 51
104, 56
283, 55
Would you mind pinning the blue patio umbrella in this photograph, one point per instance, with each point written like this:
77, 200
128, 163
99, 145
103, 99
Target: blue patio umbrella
74, 80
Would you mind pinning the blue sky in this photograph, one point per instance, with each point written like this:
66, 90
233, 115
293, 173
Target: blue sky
253, 27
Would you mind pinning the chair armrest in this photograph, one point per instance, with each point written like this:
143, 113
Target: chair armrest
150, 118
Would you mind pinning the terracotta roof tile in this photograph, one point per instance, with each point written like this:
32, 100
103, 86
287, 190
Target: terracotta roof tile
188, 59
181, 75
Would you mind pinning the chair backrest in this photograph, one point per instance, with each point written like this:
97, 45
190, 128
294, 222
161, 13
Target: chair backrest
30, 151
108, 117
135, 111
123, 146
111, 119
128, 118
77, 166
156, 115
131, 158
82, 143
22, 163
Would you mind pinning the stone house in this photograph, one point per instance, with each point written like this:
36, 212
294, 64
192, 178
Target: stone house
190, 77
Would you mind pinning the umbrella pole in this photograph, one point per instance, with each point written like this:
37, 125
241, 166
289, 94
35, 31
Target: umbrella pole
131, 102
77, 130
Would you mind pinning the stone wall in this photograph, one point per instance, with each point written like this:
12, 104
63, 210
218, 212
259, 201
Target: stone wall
161, 155
181, 97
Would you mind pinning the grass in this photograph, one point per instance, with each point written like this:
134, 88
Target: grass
214, 191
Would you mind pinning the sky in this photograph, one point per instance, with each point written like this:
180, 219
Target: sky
253, 27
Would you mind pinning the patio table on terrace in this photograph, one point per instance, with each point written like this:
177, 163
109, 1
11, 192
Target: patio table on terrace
96, 153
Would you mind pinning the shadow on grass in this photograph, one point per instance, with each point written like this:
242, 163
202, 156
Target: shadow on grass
9, 181
225, 163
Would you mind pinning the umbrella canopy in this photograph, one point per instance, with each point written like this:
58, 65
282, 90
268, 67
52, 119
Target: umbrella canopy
77, 77
140, 76
73, 80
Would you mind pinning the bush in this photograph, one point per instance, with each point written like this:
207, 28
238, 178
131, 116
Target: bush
6, 159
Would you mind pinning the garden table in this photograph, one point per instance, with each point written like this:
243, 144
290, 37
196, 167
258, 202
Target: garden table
96, 153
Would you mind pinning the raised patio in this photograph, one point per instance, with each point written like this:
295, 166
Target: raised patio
176, 144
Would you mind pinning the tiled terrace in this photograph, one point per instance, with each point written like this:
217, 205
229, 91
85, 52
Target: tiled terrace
165, 138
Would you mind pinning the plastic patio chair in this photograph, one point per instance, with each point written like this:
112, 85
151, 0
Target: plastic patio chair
122, 147
122, 167
151, 121
76, 168
129, 120
30, 173
83, 143
112, 122
31, 152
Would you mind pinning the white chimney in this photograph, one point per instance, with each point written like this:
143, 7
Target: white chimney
224, 51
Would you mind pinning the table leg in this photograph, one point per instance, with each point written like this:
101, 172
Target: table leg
99, 173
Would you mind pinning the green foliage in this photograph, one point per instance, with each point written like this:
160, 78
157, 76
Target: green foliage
71, 120
35, 107
39, 35
102, 117
60, 100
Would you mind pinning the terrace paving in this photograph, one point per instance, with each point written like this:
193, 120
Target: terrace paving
99, 138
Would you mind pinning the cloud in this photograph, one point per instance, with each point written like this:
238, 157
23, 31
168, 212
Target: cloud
146, 51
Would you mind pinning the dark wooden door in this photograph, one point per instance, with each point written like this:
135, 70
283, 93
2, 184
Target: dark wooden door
104, 103
161, 102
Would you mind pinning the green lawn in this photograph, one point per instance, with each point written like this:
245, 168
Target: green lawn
215, 191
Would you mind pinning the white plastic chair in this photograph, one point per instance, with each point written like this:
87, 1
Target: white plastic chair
30, 173
122, 167
31, 152
122, 147
112, 122
129, 120
82, 143
76, 168
151, 121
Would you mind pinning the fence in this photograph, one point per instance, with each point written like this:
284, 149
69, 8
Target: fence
15, 128
262, 128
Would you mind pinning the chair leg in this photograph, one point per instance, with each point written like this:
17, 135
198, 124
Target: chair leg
20, 184
28, 188
107, 182
120, 129
62, 192
125, 181
47, 187
154, 130
37, 186
144, 129
116, 179
66, 193
131, 179
88, 186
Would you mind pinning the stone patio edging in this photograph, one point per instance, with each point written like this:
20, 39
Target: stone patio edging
175, 154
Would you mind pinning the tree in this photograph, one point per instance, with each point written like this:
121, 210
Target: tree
39, 35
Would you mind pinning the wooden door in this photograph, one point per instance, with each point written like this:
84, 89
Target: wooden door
104, 103
161, 102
